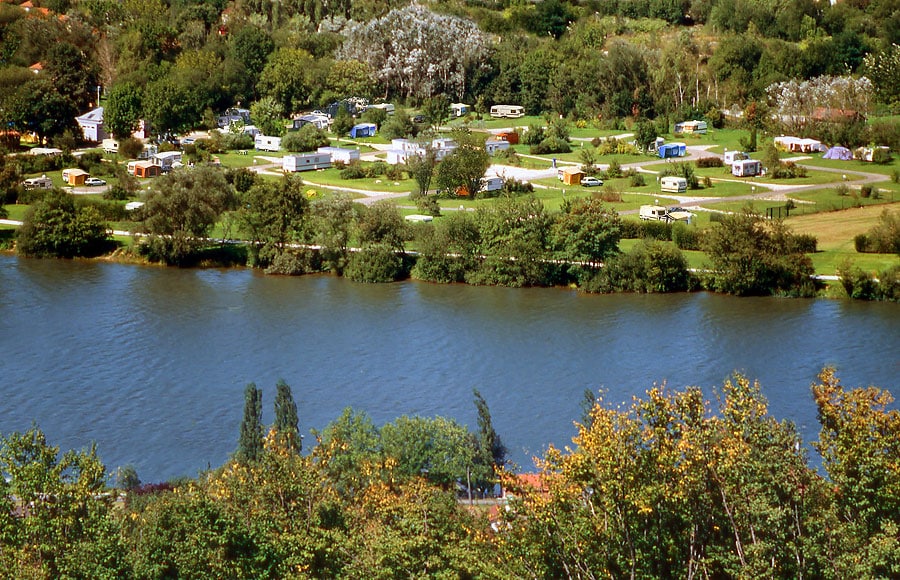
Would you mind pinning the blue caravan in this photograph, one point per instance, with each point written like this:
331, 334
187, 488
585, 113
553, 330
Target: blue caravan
363, 130
672, 150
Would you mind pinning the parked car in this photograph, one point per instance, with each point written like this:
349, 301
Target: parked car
188, 141
94, 182
591, 182
419, 119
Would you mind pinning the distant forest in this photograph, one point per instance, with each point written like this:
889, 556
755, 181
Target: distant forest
177, 63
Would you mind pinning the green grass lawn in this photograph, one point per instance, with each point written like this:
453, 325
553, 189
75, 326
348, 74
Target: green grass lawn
16, 211
332, 177
888, 169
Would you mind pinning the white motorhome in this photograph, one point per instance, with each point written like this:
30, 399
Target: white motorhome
507, 111
265, 143
42, 182
673, 184
654, 213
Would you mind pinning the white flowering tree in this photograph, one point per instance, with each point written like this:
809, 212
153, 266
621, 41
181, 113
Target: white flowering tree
417, 53
797, 103
884, 69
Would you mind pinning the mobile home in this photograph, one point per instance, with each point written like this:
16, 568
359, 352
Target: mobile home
386, 107
746, 168
307, 162
266, 143
507, 111
491, 183
341, 154
691, 127
673, 184
732, 156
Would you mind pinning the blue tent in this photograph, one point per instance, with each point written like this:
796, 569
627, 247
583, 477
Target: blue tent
672, 150
364, 130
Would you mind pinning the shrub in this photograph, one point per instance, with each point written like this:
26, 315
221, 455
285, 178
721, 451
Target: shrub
610, 195
377, 168
806, 243
353, 171
534, 135
307, 138
649, 267
861, 243
393, 172
376, 263
428, 204
842, 190
551, 145
637, 180
686, 237
865, 191
710, 162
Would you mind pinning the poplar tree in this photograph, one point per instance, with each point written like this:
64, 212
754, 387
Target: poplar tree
287, 421
250, 444
490, 451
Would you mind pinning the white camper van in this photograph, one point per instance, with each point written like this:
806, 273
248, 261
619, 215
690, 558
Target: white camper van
673, 184
42, 182
654, 213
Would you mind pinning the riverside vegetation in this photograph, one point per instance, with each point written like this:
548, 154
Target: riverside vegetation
668, 486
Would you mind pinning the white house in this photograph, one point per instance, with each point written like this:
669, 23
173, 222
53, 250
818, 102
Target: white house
340, 154
167, 159
306, 162
91, 124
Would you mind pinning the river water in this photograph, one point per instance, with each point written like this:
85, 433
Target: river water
151, 363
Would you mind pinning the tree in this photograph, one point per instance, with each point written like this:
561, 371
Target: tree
644, 134
464, 167
122, 110
550, 17
56, 228
586, 231
288, 78
330, 220
181, 209
440, 450
250, 442
350, 78
436, 110
415, 52
268, 114
349, 452
342, 122
421, 169
273, 215
287, 422
307, 138
490, 453
751, 256
382, 223
55, 513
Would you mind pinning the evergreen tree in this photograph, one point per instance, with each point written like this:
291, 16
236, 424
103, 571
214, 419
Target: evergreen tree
490, 451
250, 444
287, 422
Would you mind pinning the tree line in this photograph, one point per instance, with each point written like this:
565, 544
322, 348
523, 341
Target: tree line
671, 485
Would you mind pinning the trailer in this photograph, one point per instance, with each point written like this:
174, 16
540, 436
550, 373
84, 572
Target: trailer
306, 162
507, 111
266, 143
673, 184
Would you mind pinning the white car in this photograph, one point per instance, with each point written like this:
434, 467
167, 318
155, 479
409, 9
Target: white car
94, 181
591, 182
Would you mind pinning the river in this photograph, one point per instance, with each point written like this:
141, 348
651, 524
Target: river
151, 363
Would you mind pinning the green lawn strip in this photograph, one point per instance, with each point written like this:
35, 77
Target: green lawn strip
828, 199
490, 123
854, 165
332, 177
828, 262
16, 211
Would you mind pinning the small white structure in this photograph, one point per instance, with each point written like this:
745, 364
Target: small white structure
167, 159
44, 151
732, 156
491, 183
42, 182
673, 184
110, 146
306, 162
91, 124
507, 111
494, 144
265, 143
746, 168
340, 154
386, 107
417, 217
133, 205
868, 153
459, 109
691, 128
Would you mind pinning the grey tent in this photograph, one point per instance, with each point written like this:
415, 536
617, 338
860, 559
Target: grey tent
838, 153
